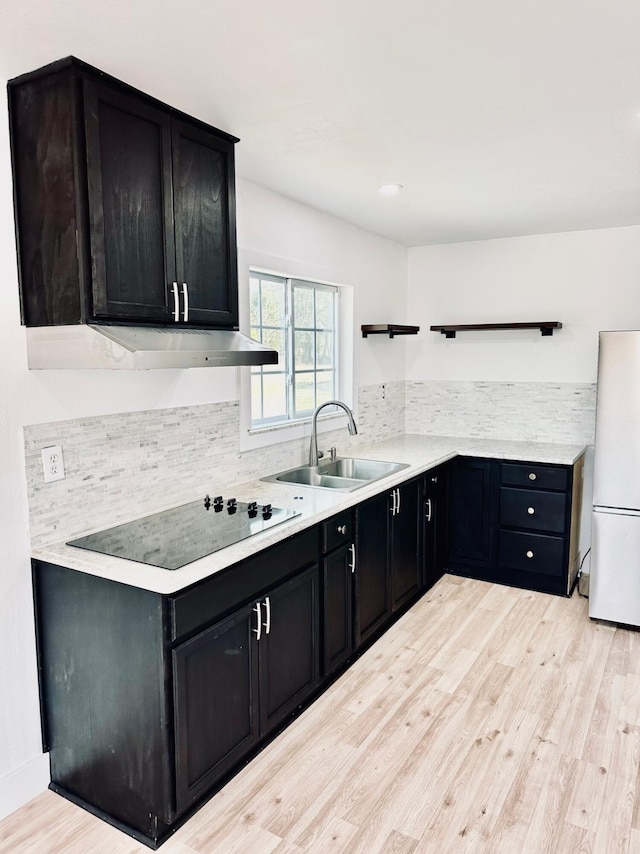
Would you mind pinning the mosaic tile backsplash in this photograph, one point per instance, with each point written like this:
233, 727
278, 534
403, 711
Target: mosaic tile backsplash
129, 464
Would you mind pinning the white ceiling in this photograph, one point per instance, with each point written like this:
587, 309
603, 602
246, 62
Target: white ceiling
500, 118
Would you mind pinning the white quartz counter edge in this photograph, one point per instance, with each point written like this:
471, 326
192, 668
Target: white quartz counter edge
314, 505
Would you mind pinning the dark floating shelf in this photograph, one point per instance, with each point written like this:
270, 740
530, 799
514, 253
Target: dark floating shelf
546, 327
390, 329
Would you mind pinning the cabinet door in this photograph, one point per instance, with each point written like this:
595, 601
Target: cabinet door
435, 521
472, 515
216, 720
204, 205
405, 543
337, 578
372, 567
130, 206
289, 648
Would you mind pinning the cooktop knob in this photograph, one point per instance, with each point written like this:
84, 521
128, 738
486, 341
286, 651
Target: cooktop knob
207, 502
252, 509
218, 501
266, 511
232, 505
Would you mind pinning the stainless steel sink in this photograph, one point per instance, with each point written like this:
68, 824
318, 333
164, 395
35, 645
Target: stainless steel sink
344, 473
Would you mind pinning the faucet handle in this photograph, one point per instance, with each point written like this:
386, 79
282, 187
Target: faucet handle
320, 454
332, 453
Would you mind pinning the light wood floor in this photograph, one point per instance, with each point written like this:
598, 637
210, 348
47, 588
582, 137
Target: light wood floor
487, 719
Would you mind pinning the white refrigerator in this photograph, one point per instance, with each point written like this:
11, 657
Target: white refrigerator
614, 586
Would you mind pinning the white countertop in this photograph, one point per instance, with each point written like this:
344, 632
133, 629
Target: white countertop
314, 505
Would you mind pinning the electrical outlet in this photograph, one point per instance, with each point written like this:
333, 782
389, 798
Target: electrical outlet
52, 463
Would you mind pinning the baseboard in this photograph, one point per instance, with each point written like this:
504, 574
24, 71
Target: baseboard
19, 787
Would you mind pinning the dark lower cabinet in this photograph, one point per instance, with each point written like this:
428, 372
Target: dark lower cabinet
389, 561
373, 597
338, 568
234, 684
404, 539
516, 523
435, 520
214, 728
472, 513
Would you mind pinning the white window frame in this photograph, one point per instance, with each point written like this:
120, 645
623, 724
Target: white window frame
291, 372
269, 434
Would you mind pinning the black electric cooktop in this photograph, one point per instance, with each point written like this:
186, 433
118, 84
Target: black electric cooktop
173, 538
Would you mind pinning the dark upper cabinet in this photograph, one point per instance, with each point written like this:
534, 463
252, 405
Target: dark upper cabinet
125, 208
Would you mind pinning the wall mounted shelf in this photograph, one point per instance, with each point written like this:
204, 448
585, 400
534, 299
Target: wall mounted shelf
390, 329
546, 327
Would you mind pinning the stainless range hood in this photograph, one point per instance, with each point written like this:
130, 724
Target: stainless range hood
141, 348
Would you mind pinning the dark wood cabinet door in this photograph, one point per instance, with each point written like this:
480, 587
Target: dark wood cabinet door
372, 566
130, 206
405, 543
204, 207
337, 579
216, 704
472, 519
289, 647
435, 525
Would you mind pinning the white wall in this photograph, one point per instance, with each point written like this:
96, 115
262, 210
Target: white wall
268, 227
588, 280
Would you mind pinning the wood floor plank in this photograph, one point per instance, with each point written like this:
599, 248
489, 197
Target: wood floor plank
488, 720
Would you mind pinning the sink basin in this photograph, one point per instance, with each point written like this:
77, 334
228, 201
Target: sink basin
343, 473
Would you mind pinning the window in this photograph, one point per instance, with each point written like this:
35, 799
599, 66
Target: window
298, 319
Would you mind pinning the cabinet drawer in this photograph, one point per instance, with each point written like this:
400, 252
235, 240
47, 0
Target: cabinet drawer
337, 531
534, 477
230, 588
531, 553
533, 510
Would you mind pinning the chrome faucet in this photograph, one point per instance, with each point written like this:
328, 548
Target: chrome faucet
314, 455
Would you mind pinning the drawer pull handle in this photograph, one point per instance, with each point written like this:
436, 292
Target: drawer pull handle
529, 554
533, 475
267, 623
342, 529
258, 629
531, 510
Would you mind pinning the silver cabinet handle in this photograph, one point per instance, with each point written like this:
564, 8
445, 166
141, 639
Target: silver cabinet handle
393, 502
352, 565
185, 297
267, 622
529, 554
533, 475
176, 302
434, 480
342, 529
398, 491
258, 629
531, 510
428, 509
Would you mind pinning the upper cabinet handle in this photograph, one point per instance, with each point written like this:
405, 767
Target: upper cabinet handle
176, 302
185, 296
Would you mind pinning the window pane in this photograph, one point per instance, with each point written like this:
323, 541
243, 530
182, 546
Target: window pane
303, 352
304, 393
324, 388
275, 396
324, 349
275, 338
273, 303
303, 306
254, 302
324, 309
256, 333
